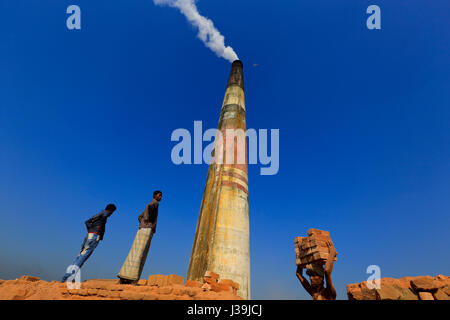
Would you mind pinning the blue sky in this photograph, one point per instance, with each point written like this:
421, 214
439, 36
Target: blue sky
86, 118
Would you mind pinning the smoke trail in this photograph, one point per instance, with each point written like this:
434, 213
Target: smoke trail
210, 36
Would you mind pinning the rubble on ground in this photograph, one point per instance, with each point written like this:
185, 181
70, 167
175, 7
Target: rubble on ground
156, 287
406, 288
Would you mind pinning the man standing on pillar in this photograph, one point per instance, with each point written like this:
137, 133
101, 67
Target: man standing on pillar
135, 261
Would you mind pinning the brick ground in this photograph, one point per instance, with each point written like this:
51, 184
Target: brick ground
157, 287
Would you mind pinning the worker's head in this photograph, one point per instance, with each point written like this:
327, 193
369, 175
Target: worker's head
157, 195
316, 276
110, 208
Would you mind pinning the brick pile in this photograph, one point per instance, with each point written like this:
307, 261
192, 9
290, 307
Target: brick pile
312, 249
156, 287
211, 283
406, 288
162, 280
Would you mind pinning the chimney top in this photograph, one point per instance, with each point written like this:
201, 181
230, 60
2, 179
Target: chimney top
237, 63
236, 74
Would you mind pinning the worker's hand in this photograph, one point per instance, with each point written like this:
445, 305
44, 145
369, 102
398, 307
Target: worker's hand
299, 270
331, 249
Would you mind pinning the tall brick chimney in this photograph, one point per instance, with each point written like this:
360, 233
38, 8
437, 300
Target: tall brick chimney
222, 243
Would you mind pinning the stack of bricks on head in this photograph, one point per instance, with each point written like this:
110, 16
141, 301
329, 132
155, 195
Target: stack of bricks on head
312, 249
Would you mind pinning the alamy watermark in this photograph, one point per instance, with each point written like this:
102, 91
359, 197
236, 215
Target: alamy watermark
374, 20
73, 22
229, 147
374, 281
74, 280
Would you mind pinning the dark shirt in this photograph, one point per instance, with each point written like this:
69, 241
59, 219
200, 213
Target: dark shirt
149, 217
97, 223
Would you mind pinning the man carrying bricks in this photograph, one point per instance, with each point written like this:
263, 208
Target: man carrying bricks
317, 273
131, 270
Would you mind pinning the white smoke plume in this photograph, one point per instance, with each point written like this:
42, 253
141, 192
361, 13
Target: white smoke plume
210, 36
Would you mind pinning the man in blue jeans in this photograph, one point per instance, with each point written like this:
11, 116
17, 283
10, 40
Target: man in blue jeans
96, 229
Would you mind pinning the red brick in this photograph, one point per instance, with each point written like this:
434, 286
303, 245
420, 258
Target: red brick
114, 294
175, 279
165, 290
192, 292
150, 296
216, 287
298, 240
131, 295
29, 278
211, 274
206, 287
425, 284
163, 280
166, 297
179, 290
313, 231
440, 295
107, 293
142, 282
225, 287
82, 292
210, 277
183, 297
92, 292
426, 296
193, 283
230, 282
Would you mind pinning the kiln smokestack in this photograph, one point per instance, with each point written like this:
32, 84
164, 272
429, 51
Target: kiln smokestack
222, 243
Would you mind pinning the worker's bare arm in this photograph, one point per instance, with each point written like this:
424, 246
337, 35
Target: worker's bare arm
329, 269
303, 280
